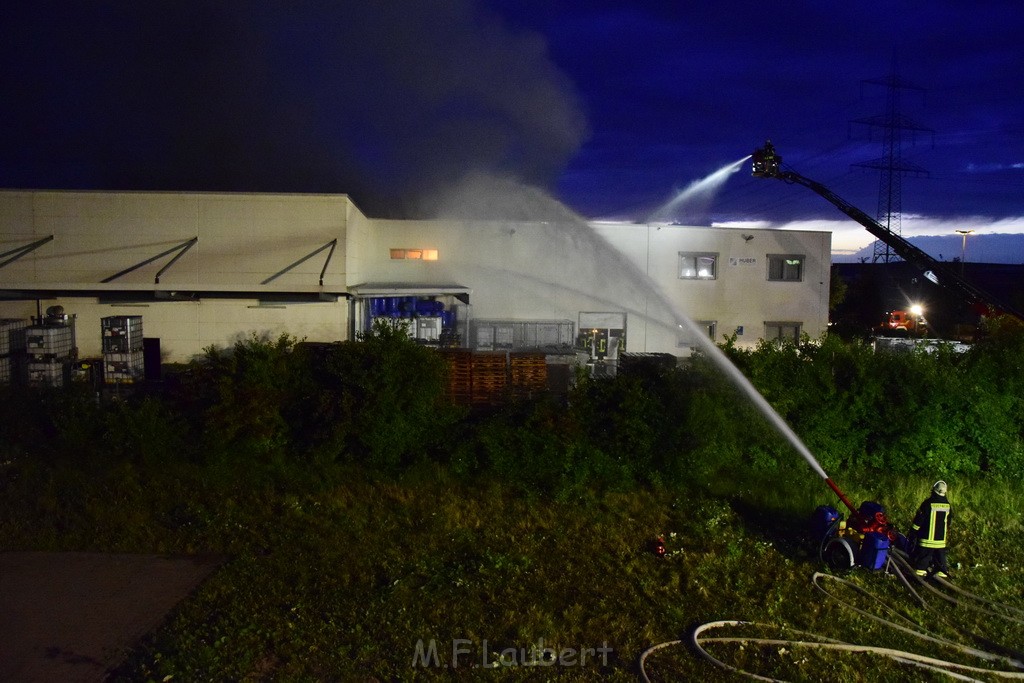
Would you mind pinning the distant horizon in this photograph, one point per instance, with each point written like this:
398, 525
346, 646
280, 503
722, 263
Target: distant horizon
996, 248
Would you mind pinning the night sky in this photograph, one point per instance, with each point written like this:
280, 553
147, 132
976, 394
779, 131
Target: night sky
613, 107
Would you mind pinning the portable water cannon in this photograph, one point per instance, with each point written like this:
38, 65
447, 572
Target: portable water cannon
863, 540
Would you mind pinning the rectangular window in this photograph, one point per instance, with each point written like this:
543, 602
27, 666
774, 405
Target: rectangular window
414, 254
782, 331
710, 328
786, 267
697, 265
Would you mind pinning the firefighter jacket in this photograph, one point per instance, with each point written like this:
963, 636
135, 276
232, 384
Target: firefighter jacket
931, 523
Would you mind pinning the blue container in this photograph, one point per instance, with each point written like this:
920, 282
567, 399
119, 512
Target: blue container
824, 521
429, 307
869, 508
874, 550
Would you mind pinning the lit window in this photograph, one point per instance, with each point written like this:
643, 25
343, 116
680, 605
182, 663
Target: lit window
697, 266
414, 254
782, 332
786, 267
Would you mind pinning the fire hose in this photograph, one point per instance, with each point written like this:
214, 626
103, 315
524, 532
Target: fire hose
900, 566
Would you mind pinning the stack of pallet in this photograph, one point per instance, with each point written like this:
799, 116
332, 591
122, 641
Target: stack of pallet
528, 373
122, 349
490, 377
12, 349
460, 375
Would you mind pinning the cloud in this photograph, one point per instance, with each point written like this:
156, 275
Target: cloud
993, 241
994, 167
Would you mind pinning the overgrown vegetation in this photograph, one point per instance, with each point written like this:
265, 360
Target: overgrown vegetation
362, 511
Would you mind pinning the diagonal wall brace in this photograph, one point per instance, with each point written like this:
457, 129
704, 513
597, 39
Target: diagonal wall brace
17, 253
181, 249
332, 244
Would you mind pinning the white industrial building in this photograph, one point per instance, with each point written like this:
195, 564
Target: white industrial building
206, 269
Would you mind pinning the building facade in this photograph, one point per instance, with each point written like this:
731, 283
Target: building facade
209, 269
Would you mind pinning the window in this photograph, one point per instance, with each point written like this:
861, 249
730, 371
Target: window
414, 254
697, 265
782, 331
786, 267
710, 328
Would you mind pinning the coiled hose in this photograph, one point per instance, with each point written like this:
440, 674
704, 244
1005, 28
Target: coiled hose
900, 566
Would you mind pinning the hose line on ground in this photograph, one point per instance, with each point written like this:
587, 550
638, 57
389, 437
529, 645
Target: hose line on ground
900, 566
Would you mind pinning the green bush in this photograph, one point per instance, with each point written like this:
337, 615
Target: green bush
252, 385
527, 445
934, 412
144, 431
289, 407
380, 399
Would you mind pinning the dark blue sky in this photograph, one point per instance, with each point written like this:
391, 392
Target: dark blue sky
674, 90
612, 106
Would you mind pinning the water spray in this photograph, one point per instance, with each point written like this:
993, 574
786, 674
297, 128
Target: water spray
708, 347
569, 234
705, 188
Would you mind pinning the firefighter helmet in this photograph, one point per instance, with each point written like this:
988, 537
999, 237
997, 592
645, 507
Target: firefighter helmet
940, 487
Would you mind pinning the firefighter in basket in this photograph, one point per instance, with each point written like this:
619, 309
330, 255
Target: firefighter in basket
930, 533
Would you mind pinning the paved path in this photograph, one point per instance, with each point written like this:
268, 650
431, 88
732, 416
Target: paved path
72, 617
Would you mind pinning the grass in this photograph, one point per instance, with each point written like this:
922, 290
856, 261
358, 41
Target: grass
338, 574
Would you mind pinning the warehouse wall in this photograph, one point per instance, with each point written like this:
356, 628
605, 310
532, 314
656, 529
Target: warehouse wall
243, 240
741, 295
521, 270
558, 270
185, 328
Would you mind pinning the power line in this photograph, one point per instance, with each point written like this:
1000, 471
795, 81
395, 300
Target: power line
891, 165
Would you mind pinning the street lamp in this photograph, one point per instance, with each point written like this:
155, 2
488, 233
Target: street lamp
963, 248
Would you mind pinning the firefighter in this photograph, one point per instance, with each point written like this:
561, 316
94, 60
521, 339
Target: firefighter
931, 532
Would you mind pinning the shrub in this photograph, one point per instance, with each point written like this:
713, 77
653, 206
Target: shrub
381, 399
251, 384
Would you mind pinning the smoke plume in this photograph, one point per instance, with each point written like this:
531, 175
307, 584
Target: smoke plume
385, 101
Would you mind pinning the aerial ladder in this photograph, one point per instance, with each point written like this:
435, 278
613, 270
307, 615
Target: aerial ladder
766, 164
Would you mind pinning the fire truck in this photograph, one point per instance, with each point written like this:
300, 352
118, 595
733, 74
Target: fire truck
909, 323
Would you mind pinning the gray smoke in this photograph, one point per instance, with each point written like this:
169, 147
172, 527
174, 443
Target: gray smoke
386, 101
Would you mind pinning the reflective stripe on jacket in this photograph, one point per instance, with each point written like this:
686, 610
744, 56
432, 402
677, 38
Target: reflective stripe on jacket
932, 522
